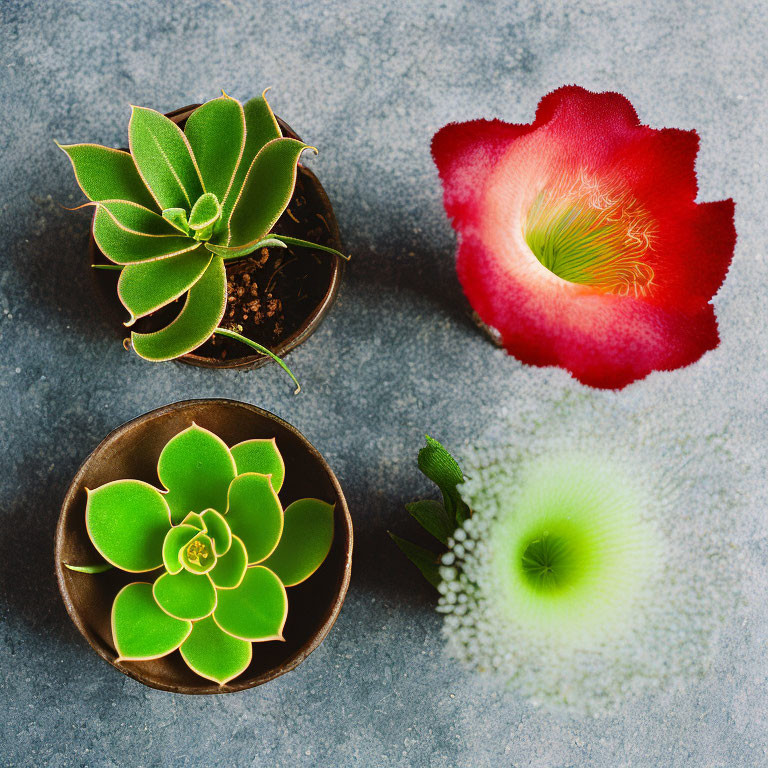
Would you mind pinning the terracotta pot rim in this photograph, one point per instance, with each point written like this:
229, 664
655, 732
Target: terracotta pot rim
207, 687
314, 318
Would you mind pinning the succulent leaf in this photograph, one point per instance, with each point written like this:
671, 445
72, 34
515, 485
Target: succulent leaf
213, 654
196, 467
107, 174
256, 610
140, 628
313, 246
185, 595
441, 468
177, 218
234, 253
146, 287
260, 128
255, 515
266, 191
305, 543
218, 529
262, 457
205, 212
216, 133
127, 246
195, 519
230, 568
164, 159
199, 555
262, 350
127, 521
137, 218
98, 568
424, 559
195, 324
433, 516
177, 538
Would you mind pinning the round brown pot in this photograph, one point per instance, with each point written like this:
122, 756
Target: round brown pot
107, 280
131, 451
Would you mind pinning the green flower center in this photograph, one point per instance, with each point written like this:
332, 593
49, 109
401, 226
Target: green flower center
553, 562
549, 562
198, 553
592, 233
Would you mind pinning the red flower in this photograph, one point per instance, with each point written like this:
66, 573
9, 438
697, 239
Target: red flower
580, 240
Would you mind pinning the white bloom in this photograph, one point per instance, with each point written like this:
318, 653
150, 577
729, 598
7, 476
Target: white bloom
597, 564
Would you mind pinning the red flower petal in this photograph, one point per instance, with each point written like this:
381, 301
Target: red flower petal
580, 239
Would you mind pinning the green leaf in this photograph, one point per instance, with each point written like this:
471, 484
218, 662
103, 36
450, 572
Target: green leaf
205, 212
433, 516
164, 160
441, 468
123, 245
312, 246
202, 235
195, 324
263, 350
199, 555
305, 543
230, 568
177, 218
140, 628
179, 536
266, 192
127, 521
216, 133
262, 457
145, 288
137, 219
185, 595
425, 560
214, 654
235, 253
195, 519
107, 174
197, 468
260, 128
255, 515
218, 530
256, 610
99, 568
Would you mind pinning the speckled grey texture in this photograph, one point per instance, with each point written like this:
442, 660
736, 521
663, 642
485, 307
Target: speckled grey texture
368, 83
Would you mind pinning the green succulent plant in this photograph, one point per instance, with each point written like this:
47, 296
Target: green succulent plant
175, 209
219, 546
439, 518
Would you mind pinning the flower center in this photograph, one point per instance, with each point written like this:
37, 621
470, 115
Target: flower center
550, 562
592, 233
198, 553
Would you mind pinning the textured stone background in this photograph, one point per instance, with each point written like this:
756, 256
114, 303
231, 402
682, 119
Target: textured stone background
368, 83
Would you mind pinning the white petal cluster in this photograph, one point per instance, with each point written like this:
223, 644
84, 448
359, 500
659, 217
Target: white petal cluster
662, 630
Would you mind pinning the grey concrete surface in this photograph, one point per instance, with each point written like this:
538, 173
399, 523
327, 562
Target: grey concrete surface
368, 83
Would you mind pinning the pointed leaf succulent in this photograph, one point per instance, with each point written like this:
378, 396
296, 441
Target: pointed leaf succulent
221, 548
170, 211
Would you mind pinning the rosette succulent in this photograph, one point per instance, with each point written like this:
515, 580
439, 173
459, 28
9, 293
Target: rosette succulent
581, 243
175, 209
218, 545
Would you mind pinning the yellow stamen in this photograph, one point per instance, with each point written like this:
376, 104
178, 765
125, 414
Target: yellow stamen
196, 552
593, 232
